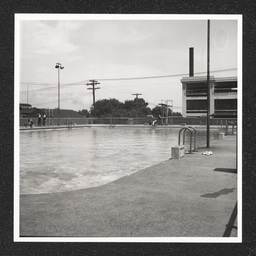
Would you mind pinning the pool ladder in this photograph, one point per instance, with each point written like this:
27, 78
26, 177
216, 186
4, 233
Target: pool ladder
193, 135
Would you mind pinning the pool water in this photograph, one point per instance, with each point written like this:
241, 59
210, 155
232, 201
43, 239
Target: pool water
63, 160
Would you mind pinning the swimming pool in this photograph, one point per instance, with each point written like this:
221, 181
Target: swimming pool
63, 160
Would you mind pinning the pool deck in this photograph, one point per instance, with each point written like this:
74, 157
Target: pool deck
194, 196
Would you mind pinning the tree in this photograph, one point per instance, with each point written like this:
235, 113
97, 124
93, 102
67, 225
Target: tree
129, 105
141, 102
84, 113
156, 111
140, 106
106, 107
129, 108
115, 108
177, 114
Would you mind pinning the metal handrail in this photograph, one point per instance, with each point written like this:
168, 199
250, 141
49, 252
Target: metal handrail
191, 134
185, 129
195, 137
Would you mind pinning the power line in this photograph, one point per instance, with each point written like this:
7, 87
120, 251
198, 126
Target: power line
35, 83
118, 91
64, 99
106, 87
142, 84
131, 78
163, 76
53, 87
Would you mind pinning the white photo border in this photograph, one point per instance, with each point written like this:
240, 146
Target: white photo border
16, 229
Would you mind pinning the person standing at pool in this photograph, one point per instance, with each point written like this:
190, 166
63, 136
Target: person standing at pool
39, 119
44, 119
159, 119
30, 122
154, 123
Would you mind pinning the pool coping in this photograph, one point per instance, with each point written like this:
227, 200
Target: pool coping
61, 127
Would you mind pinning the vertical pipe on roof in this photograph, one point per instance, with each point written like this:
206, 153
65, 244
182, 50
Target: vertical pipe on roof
191, 61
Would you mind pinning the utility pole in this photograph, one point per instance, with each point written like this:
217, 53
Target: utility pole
137, 103
208, 84
93, 88
137, 99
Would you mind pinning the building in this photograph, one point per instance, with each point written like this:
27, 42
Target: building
223, 96
27, 111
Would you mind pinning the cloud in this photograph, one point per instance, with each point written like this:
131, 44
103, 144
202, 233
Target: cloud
113, 49
52, 38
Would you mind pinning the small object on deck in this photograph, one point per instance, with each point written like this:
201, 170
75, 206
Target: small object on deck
207, 153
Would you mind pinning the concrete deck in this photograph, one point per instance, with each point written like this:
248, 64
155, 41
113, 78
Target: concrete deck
191, 197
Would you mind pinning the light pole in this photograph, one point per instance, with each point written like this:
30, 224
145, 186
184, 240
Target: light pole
58, 66
208, 85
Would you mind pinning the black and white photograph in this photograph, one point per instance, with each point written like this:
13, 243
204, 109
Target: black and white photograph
128, 128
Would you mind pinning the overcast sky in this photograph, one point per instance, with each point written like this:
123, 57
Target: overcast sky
115, 49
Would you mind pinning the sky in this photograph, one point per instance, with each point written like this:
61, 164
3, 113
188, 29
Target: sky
148, 56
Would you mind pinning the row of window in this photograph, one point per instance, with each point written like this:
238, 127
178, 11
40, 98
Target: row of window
219, 105
200, 89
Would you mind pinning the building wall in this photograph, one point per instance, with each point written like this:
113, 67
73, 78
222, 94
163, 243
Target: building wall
225, 96
194, 90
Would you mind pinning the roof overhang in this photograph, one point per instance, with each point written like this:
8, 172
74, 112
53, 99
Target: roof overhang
226, 79
196, 79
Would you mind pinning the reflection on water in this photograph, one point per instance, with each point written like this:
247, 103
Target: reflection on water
62, 160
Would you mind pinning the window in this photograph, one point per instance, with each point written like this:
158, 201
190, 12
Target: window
225, 105
196, 89
196, 106
221, 87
